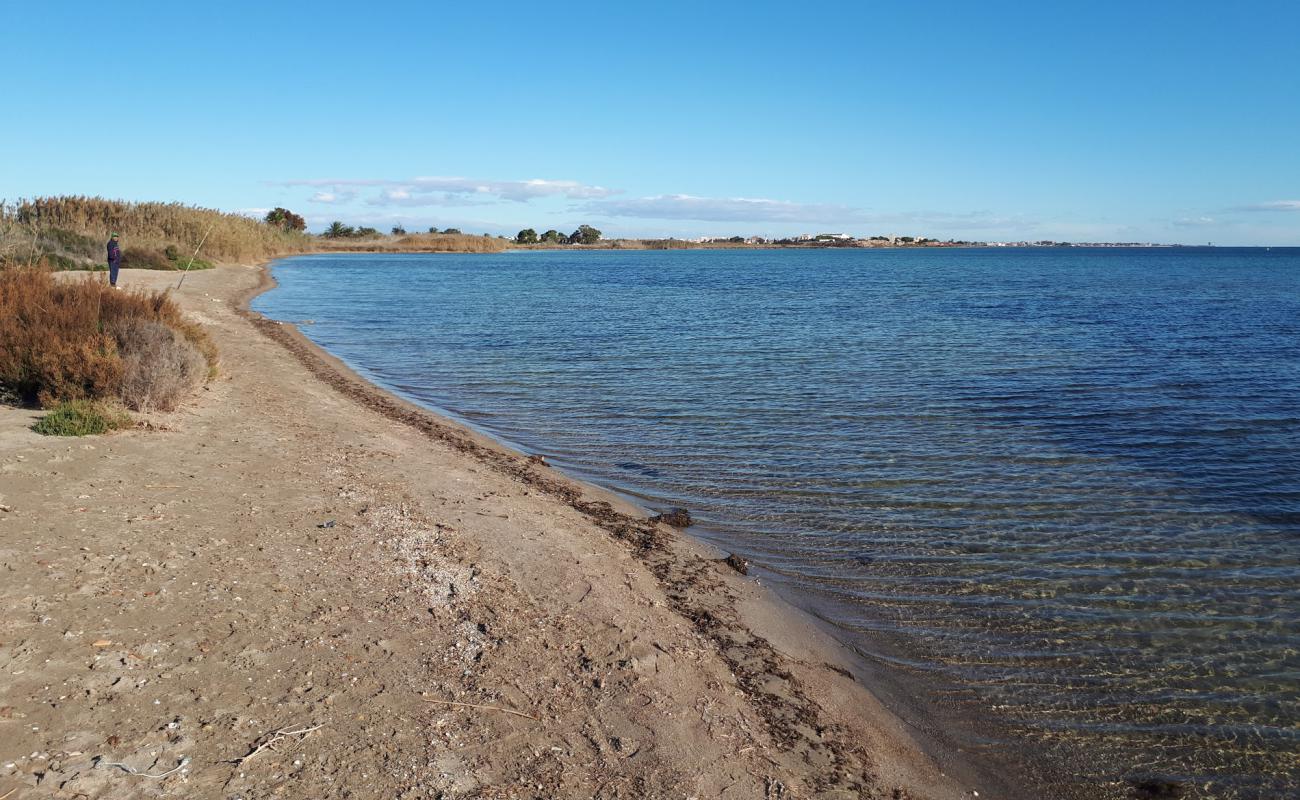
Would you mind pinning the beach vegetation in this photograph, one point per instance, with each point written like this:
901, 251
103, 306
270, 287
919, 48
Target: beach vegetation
72, 231
398, 230
285, 219
526, 236
417, 243
337, 230
160, 367
82, 418
452, 231
553, 236
78, 339
585, 234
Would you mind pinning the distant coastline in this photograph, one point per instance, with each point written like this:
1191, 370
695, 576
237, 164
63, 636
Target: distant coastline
68, 232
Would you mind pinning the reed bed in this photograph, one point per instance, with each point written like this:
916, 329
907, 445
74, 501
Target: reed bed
415, 243
72, 231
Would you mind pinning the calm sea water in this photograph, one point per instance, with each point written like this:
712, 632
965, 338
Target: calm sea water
1065, 481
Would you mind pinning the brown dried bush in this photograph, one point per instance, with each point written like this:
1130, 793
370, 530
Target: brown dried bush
57, 338
160, 367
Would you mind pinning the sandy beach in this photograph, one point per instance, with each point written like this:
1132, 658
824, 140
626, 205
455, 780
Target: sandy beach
300, 586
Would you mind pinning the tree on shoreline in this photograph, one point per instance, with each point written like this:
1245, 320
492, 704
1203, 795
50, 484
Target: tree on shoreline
526, 236
337, 230
585, 234
285, 220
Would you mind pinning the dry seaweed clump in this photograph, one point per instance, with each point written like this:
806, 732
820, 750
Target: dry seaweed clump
64, 341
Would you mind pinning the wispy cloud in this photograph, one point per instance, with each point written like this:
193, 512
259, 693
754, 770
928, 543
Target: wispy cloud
1195, 222
333, 197
1274, 205
400, 192
402, 197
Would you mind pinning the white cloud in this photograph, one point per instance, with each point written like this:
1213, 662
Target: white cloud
1274, 205
400, 191
406, 198
332, 197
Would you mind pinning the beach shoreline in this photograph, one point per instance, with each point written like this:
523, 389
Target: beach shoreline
706, 673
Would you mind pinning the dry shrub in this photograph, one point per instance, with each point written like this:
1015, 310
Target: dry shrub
145, 258
52, 346
57, 338
160, 367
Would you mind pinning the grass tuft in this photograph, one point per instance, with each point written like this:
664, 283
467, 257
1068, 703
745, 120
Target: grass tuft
81, 418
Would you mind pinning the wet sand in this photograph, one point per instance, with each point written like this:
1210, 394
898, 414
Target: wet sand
359, 598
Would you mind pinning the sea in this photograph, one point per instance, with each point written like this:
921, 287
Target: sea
1061, 486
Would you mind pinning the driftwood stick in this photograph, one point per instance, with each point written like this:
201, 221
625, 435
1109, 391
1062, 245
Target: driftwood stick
485, 708
276, 736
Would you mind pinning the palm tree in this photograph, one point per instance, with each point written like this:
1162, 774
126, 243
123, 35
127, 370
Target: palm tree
336, 230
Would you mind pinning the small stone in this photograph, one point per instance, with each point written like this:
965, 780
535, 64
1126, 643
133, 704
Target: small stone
677, 518
737, 563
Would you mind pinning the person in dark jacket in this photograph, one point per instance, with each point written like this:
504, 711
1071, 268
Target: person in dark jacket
114, 260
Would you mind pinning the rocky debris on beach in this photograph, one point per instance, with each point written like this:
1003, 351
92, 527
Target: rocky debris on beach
676, 518
737, 563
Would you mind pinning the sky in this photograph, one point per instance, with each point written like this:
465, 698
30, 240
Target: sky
1144, 120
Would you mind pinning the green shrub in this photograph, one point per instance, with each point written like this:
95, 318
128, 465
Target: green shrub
81, 418
75, 243
60, 262
142, 258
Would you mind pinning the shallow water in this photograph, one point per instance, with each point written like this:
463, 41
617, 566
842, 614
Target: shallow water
1066, 481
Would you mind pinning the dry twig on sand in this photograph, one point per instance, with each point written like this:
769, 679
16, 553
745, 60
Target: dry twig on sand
133, 771
485, 708
277, 736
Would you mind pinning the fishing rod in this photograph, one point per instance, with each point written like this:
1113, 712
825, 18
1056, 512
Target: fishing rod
196, 255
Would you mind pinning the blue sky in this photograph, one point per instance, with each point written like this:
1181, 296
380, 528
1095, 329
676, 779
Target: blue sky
1087, 121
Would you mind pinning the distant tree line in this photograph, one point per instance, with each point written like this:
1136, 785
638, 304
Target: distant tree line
338, 230
286, 220
585, 234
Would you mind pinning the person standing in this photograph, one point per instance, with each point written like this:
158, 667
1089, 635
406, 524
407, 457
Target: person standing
114, 260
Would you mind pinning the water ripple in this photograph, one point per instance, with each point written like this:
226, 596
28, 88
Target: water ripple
1068, 481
